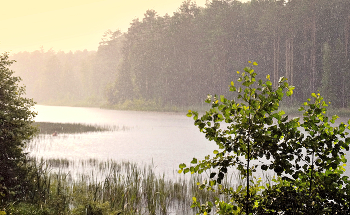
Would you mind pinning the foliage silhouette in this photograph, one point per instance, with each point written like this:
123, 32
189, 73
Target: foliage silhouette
16, 117
307, 155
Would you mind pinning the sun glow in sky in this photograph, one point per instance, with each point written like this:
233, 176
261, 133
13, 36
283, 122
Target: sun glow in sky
27, 25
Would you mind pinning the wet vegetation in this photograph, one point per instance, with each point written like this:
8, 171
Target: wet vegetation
106, 187
307, 153
175, 61
70, 128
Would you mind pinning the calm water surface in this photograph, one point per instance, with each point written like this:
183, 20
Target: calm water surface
164, 139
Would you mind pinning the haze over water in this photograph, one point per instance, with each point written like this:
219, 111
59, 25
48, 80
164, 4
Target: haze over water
163, 139
166, 139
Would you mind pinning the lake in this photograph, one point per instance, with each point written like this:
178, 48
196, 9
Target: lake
162, 139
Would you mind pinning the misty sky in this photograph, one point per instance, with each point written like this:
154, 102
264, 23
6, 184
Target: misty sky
70, 24
66, 25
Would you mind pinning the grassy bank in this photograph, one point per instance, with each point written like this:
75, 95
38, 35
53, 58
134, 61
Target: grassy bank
154, 105
88, 102
124, 188
143, 105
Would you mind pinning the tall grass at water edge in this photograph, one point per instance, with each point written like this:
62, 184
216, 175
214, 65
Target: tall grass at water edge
124, 189
72, 128
94, 187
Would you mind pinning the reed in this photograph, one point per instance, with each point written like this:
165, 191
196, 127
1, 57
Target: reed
92, 186
108, 187
72, 128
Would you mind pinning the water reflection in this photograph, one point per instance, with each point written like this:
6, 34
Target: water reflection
162, 139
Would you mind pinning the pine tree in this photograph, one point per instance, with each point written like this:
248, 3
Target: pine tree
16, 117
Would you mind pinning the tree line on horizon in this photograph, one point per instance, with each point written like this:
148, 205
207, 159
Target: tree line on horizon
72, 78
177, 60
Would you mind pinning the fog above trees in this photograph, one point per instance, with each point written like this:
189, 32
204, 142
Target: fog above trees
178, 59
78, 78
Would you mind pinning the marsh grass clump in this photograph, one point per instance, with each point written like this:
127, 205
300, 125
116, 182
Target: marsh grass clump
58, 162
72, 128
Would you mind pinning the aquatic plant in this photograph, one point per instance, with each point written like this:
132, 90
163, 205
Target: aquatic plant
107, 187
71, 128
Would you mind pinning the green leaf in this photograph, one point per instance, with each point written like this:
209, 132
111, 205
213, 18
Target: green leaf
222, 98
181, 166
194, 161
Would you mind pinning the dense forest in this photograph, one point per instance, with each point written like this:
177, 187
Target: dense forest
179, 59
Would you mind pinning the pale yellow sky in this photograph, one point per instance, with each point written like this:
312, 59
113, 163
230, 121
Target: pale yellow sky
66, 25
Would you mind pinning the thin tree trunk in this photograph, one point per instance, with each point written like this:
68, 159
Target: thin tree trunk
291, 65
287, 66
274, 63
289, 61
248, 161
343, 90
275, 67
346, 35
305, 54
278, 54
292, 62
347, 59
313, 49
